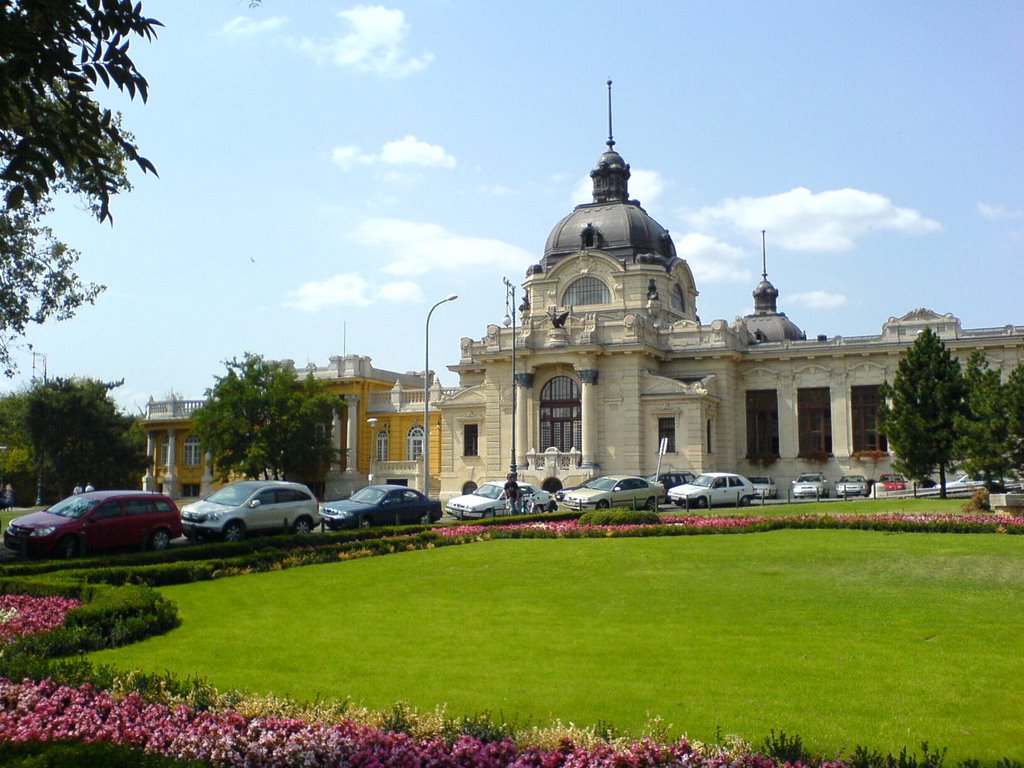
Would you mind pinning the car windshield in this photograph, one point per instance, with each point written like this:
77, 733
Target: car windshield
601, 483
760, 480
809, 479
489, 491
704, 481
73, 506
232, 495
369, 495
851, 479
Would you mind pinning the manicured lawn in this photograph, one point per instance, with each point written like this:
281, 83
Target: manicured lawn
842, 637
852, 506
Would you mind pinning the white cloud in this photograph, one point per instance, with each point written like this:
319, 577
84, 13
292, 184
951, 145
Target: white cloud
998, 212
414, 248
347, 289
644, 187
401, 291
243, 26
374, 44
801, 220
712, 260
408, 151
412, 151
817, 300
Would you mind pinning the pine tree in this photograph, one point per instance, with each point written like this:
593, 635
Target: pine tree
1015, 418
920, 409
983, 441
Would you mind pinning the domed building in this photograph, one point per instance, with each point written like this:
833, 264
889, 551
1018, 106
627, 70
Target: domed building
606, 363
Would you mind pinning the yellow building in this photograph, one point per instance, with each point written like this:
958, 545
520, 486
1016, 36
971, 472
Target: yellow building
378, 436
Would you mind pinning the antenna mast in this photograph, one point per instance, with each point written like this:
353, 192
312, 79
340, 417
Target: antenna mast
611, 141
764, 260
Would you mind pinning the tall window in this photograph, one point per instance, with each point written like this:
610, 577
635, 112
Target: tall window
382, 446
864, 404
678, 300
190, 451
814, 412
762, 424
470, 439
165, 449
414, 443
561, 424
587, 290
667, 431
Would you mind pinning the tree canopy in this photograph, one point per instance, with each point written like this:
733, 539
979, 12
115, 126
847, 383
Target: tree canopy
920, 408
55, 136
983, 427
79, 436
260, 420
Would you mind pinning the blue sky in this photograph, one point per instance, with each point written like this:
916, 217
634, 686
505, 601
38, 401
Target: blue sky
330, 170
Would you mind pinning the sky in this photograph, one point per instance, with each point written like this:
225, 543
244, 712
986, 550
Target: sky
329, 170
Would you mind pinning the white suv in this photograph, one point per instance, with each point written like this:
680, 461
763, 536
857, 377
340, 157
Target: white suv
251, 505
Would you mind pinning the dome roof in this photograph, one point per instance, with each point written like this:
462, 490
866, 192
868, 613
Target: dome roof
611, 223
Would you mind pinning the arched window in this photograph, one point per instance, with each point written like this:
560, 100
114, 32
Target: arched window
561, 424
587, 290
190, 452
678, 299
468, 487
414, 443
382, 446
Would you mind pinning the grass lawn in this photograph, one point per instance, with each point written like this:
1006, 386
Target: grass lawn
851, 506
842, 637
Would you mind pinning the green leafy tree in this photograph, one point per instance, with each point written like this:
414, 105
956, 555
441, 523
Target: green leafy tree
920, 407
1015, 418
261, 421
983, 428
80, 436
55, 137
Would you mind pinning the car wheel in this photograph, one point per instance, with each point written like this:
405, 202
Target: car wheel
746, 501
649, 504
701, 502
364, 521
603, 504
66, 548
234, 531
552, 507
161, 538
425, 519
303, 525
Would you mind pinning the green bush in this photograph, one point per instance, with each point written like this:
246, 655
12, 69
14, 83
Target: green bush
978, 503
619, 517
75, 754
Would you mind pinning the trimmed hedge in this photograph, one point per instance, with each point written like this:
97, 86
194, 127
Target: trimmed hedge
620, 517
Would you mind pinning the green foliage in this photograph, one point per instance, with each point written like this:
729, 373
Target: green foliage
919, 414
983, 428
978, 503
75, 754
786, 749
620, 517
259, 420
81, 436
1015, 418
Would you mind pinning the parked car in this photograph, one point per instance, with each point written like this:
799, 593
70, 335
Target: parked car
965, 483
810, 485
892, 482
561, 492
852, 485
614, 491
381, 505
236, 509
765, 486
488, 500
97, 520
714, 489
670, 480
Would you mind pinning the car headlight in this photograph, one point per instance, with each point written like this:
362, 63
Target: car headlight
344, 514
44, 531
213, 515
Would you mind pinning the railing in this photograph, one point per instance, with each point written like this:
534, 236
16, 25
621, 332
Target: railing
551, 459
404, 399
173, 409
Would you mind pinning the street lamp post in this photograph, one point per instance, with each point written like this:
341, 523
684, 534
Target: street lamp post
426, 395
510, 319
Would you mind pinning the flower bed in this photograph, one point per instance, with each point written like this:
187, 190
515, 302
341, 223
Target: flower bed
28, 615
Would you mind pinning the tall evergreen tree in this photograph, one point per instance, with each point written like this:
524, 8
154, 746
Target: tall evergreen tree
983, 435
259, 420
1015, 418
920, 407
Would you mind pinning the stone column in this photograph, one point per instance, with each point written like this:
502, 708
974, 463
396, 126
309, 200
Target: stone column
789, 429
524, 411
170, 476
206, 484
352, 441
588, 377
149, 480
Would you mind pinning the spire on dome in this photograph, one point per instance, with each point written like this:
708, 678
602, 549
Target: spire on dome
611, 176
765, 294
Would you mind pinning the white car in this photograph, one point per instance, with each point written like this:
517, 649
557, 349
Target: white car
810, 485
251, 505
488, 501
615, 491
765, 486
714, 488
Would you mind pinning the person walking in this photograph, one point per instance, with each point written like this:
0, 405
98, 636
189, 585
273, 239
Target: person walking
512, 494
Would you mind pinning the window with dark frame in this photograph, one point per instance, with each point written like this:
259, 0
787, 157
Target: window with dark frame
667, 431
814, 415
470, 439
864, 404
762, 424
561, 422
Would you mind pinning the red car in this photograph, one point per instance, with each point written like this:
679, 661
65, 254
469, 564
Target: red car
97, 520
892, 482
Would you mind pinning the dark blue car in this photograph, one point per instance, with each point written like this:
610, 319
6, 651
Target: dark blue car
380, 505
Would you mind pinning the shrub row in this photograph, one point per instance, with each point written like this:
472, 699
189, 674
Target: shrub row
620, 517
